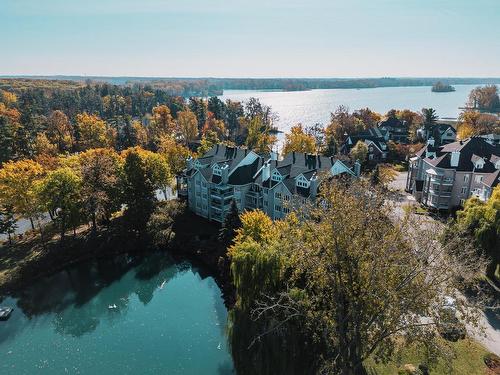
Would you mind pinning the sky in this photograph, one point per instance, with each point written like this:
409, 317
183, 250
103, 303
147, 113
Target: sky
251, 38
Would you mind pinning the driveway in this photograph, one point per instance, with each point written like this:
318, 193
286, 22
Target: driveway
490, 320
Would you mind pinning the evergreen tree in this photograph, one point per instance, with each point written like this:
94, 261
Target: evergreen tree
231, 223
7, 222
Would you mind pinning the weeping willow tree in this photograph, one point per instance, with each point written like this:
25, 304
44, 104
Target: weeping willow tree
339, 282
272, 345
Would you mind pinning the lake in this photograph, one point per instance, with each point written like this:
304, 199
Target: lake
169, 318
315, 106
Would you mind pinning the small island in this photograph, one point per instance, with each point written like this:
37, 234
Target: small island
442, 87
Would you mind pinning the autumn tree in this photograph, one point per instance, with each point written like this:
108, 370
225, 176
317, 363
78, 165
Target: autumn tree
187, 126
214, 125
158, 170
161, 124
473, 123
199, 107
43, 146
368, 117
484, 98
100, 191
59, 193
9, 127
17, 187
59, 131
208, 140
258, 137
337, 283
92, 132
317, 131
297, 140
174, 153
342, 124
359, 152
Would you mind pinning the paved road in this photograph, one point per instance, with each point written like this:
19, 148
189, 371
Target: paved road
490, 320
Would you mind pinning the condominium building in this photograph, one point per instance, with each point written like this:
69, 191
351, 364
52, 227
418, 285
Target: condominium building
211, 182
443, 177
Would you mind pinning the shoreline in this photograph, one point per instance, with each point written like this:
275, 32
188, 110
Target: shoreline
196, 244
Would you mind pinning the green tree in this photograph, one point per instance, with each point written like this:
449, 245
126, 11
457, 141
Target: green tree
258, 138
429, 118
208, 140
7, 222
100, 193
138, 191
161, 223
59, 193
339, 282
482, 221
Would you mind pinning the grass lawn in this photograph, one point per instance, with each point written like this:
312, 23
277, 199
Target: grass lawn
467, 359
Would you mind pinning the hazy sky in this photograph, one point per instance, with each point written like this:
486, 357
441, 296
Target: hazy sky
259, 38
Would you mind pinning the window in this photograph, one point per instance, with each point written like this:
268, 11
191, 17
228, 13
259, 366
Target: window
205, 196
198, 182
286, 197
204, 184
277, 195
479, 178
302, 182
370, 156
217, 170
205, 207
276, 176
286, 210
277, 208
464, 190
462, 202
466, 177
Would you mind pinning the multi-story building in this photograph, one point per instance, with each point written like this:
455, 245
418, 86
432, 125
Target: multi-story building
395, 129
211, 182
374, 138
441, 133
443, 177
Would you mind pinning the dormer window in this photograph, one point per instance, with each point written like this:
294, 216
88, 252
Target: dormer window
217, 170
497, 165
276, 176
302, 182
479, 164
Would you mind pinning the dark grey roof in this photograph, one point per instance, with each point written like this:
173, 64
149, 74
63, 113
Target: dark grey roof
245, 174
470, 149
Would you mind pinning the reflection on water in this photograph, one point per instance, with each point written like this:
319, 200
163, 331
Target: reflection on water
119, 315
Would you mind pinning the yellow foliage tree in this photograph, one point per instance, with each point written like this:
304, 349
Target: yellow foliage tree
17, 187
187, 125
297, 140
93, 131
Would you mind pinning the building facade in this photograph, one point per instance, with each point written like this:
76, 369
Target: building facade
375, 140
210, 183
443, 177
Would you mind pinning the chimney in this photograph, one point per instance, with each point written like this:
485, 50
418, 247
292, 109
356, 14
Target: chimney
266, 171
293, 157
313, 187
430, 142
455, 157
357, 168
225, 173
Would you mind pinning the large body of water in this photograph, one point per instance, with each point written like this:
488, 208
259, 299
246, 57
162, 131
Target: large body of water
315, 106
169, 319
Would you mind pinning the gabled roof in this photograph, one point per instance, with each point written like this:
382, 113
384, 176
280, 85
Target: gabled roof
245, 174
492, 179
470, 149
392, 122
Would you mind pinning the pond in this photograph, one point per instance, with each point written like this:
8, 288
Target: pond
126, 315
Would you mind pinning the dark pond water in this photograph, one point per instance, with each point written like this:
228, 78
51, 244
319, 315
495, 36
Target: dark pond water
169, 319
